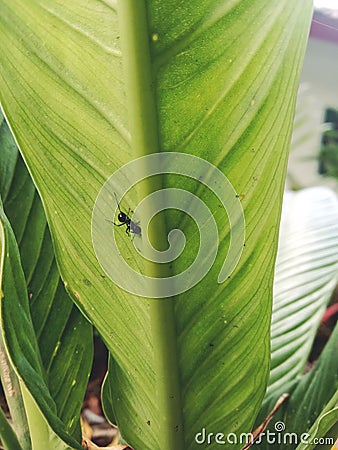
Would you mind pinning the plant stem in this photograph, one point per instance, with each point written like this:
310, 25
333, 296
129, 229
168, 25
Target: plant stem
139, 85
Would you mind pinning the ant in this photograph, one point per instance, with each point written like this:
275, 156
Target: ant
124, 219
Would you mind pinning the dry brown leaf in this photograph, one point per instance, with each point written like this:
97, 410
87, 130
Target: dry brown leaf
87, 430
259, 430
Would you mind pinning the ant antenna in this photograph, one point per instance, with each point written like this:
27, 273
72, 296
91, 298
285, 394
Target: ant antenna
118, 205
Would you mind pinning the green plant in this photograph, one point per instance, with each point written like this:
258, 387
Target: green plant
328, 157
86, 87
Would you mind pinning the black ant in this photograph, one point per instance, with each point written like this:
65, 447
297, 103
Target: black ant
124, 219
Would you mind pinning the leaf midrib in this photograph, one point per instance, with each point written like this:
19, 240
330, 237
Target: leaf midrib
143, 126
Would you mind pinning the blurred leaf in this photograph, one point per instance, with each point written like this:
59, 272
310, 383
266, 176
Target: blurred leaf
306, 274
304, 169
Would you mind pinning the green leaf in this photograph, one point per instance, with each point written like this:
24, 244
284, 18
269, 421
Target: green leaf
311, 410
305, 276
315, 400
64, 336
22, 347
59, 321
41, 433
90, 86
320, 428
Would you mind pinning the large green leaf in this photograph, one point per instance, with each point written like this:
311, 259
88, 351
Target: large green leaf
305, 276
64, 336
88, 86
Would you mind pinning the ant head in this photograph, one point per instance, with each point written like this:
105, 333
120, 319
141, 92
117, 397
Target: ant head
122, 217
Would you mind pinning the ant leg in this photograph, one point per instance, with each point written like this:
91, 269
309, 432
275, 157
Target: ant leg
116, 224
